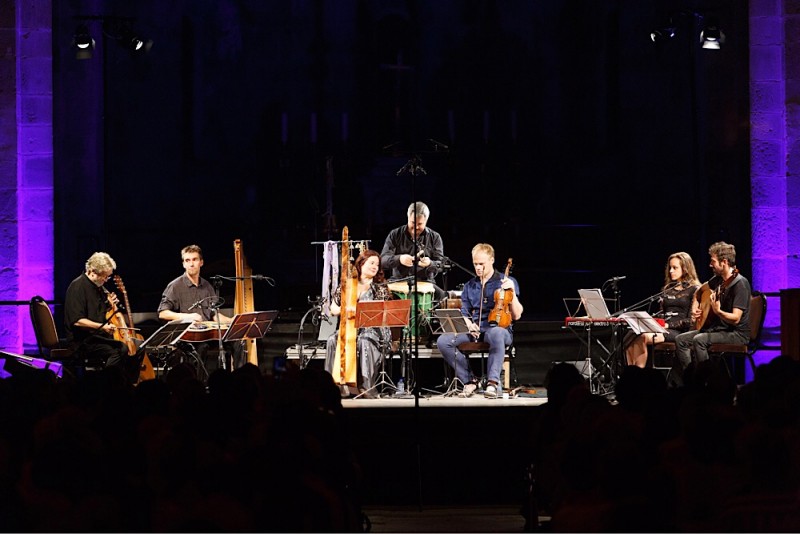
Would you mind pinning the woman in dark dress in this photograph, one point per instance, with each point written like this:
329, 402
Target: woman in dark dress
680, 285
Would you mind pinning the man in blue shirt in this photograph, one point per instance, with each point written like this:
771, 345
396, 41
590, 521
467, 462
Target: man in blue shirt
477, 301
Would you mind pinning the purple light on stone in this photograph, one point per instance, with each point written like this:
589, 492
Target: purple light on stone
28, 259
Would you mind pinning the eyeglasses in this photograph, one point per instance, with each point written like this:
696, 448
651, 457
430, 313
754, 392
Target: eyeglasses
103, 276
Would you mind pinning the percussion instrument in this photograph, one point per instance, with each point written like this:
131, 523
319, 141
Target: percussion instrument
422, 301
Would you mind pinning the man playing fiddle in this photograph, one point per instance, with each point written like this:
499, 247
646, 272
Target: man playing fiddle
477, 304
88, 309
728, 319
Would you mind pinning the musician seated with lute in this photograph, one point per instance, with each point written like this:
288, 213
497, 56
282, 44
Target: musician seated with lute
192, 298
721, 309
490, 303
371, 342
91, 313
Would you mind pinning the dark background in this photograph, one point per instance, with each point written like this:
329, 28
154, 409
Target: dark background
604, 152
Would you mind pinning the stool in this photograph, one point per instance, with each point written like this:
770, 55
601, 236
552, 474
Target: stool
469, 348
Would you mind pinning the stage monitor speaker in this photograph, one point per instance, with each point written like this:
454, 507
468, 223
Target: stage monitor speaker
11, 364
583, 366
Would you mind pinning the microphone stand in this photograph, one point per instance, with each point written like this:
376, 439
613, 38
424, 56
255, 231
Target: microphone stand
316, 309
645, 302
222, 358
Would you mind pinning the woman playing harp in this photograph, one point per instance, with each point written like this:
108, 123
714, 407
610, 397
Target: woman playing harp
371, 287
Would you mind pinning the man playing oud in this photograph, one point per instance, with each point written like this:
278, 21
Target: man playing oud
728, 315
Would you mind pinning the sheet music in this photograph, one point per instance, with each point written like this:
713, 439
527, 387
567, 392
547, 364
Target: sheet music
642, 322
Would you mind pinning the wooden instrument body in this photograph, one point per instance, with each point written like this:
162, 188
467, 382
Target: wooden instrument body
346, 348
501, 313
146, 371
703, 297
204, 331
243, 300
121, 331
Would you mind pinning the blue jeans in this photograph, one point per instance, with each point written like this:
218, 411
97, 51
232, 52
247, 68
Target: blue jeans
497, 338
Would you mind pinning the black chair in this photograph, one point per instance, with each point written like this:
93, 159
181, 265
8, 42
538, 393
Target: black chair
51, 347
758, 312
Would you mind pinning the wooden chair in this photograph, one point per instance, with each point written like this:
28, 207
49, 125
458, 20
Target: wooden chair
758, 312
469, 348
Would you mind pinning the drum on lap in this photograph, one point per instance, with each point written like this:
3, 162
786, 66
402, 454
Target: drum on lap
421, 301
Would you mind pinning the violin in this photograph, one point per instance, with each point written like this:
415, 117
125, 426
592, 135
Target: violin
501, 313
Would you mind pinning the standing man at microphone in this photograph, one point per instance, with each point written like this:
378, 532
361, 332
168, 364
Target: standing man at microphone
414, 237
190, 297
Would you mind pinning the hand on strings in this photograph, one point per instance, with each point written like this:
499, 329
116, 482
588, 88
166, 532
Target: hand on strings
194, 317
424, 261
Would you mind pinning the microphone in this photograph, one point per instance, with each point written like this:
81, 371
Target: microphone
197, 304
262, 278
617, 278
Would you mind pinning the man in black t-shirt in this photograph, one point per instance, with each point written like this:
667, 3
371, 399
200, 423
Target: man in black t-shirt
86, 308
728, 319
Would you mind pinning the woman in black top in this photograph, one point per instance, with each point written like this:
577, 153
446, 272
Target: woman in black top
680, 285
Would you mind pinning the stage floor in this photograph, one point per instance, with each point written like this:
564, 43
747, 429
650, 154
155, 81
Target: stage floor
476, 401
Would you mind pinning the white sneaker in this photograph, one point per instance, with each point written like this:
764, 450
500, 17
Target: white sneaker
490, 392
469, 389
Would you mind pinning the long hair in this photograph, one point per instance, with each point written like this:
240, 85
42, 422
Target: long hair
362, 259
688, 272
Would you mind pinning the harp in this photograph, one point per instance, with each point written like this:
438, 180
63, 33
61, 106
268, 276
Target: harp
243, 301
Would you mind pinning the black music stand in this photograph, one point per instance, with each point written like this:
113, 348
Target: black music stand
452, 322
248, 325
164, 340
382, 313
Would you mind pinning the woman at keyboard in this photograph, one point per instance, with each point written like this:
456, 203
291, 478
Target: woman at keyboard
680, 285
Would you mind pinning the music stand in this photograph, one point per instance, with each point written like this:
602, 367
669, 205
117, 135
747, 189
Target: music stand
452, 322
249, 325
382, 313
642, 322
166, 337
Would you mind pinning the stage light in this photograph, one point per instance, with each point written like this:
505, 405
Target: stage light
662, 34
83, 42
711, 37
134, 42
